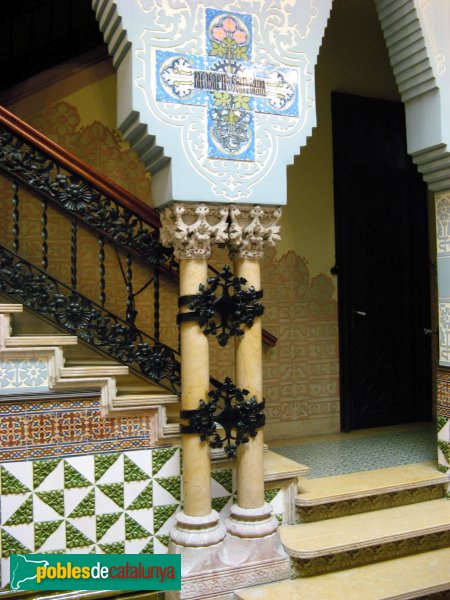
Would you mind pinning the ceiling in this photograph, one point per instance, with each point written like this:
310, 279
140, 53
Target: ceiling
39, 34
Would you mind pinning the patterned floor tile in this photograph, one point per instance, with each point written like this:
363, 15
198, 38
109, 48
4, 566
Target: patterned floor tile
364, 453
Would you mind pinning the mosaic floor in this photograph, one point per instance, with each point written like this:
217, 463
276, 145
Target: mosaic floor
347, 453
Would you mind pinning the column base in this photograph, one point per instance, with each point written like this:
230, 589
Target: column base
214, 566
252, 536
251, 522
199, 541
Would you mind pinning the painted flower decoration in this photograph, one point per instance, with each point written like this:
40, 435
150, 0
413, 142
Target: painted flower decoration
219, 34
229, 24
240, 37
228, 29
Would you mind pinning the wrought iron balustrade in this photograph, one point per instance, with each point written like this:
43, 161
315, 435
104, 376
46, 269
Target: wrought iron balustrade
57, 214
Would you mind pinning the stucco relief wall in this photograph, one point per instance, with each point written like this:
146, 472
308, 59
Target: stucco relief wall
301, 373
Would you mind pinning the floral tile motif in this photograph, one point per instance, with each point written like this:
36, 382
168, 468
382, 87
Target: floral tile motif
36, 429
20, 375
102, 503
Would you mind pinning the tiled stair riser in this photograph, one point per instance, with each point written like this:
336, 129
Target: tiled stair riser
67, 427
369, 555
354, 506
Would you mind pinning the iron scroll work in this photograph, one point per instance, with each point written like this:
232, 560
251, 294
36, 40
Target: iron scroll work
92, 323
240, 418
222, 314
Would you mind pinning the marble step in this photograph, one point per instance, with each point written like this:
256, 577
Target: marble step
347, 541
100, 370
351, 493
397, 579
30, 341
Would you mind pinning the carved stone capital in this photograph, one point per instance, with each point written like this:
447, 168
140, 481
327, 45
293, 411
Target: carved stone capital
192, 228
251, 229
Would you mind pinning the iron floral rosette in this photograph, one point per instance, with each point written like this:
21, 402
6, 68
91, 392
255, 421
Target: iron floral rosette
223, 306
239, 418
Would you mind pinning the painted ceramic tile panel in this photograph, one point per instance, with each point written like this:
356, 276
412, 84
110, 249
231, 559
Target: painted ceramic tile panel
228, 84
20, 375
51, 429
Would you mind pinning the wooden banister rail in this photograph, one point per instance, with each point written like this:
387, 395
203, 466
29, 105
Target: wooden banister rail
75, 165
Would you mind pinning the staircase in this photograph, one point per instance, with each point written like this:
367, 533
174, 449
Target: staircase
84, 254
380, 534
73, 367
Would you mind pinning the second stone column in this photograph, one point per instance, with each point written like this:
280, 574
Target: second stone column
252, 528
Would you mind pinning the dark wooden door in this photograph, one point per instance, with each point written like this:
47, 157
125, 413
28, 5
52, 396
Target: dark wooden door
382, 260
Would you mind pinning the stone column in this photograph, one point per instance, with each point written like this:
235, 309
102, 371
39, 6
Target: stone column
252, 528
192, 229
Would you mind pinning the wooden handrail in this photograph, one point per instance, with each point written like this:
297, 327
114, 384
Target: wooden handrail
98, 180
75, 165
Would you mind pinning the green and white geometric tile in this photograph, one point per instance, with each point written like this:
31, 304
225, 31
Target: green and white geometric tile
275, 497
166, 462
106, 503
222, 491
443, 443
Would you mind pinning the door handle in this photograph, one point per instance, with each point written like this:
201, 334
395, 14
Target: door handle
427, 331
361, 313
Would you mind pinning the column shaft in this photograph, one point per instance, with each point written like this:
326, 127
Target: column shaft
250, 465
194, 387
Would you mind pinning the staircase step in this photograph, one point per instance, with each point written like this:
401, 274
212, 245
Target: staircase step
347, 541
10, 308
105, 370
329, 497
278, 467
397, 579
24, 341
146, 400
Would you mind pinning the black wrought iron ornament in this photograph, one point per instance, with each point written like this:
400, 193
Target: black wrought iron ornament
79, 198
223, 305
239, 417
90, 322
